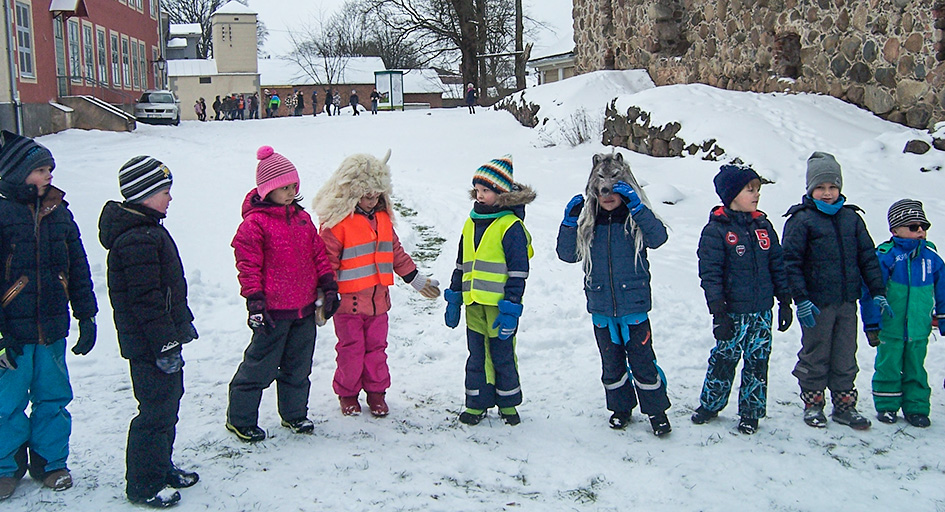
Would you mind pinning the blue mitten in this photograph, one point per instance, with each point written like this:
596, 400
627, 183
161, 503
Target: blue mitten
507, 321
454, 300
629, 196
883, 305
572, 211
806, 311
171, 363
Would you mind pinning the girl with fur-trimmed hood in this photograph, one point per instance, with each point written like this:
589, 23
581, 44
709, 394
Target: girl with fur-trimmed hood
489, 280
357, 221
610, 233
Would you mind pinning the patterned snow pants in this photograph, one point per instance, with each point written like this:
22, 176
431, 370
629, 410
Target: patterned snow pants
752, 341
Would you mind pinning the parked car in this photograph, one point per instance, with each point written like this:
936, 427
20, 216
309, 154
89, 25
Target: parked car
158, 107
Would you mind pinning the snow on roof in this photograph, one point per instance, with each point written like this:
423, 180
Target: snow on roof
177, 42
423, 80
234, 7
191, 67
357, 70
184, 29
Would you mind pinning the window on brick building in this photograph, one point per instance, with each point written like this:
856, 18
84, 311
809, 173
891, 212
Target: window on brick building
24, 40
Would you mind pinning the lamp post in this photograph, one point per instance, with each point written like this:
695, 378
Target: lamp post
161, 64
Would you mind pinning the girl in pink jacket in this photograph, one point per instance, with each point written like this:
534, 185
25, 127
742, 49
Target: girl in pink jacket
357, 222
282, 267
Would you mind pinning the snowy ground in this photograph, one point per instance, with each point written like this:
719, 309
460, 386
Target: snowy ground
562, 456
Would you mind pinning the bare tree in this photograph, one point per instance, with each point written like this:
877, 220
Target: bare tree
316, 52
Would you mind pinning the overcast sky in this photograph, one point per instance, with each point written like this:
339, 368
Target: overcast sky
280, 16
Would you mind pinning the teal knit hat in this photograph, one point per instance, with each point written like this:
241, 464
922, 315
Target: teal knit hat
496, 174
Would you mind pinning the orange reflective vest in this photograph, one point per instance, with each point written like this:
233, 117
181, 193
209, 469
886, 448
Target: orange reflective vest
367, 257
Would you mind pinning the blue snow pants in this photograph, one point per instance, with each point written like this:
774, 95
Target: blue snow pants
752, 341
41, 377
636, 354
491, 368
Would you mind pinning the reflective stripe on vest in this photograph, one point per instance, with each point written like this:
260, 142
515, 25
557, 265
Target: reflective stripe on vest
484, 268
367, 257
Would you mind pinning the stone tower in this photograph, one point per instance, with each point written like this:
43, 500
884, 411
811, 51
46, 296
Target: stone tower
234, 38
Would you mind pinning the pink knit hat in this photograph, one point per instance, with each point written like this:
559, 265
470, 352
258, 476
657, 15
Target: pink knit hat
273, 171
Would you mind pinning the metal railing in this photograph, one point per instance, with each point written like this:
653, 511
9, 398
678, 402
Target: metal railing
66, 83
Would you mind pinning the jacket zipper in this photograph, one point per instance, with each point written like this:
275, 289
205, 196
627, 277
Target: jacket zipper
905, 316
843, 258
610, 262
41, 338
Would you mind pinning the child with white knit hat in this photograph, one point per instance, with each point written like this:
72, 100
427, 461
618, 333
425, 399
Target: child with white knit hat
283, 268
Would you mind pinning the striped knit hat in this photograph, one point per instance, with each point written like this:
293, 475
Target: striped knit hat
907, 211
142, 177
20, 155
496, 174
273, 171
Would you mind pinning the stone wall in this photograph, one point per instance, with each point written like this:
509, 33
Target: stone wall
883, 55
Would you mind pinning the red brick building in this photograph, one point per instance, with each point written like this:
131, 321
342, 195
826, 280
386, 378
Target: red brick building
107, 49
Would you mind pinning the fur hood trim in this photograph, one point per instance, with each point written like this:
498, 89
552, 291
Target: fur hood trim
357, 175
520, 195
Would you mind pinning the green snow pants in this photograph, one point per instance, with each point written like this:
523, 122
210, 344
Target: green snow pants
899, 377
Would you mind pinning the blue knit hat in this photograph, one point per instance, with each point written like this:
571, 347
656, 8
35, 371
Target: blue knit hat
731, 179
19, 156
496, 174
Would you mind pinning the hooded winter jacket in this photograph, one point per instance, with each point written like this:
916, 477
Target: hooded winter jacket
374, 300
741, 262
280, 254
515, 242
45, 268
619, 284
828, 257
915, 286
146, 283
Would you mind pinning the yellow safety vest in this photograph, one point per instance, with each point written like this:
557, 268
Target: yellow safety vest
484, 268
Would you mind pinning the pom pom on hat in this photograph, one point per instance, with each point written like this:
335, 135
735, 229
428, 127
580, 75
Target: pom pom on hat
496, 174
730, 181
273, 171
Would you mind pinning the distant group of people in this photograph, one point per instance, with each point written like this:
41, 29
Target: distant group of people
231, 107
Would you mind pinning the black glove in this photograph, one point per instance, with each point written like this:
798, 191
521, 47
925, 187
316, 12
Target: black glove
332, 303
723, 326
258, 315
188, 333
87, 335
785, 315
171, 363
9, 349
873, 338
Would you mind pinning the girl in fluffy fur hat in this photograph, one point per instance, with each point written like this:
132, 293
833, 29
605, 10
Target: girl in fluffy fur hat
357, 224
489, 280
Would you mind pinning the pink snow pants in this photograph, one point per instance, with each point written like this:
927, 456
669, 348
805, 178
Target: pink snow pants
362, 356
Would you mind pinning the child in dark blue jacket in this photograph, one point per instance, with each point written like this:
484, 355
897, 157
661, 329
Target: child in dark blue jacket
742, 269
829, 255
610, 232
45, 270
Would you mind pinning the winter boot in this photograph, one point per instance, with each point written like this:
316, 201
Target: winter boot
7, 486
58, 480
250, 434
350, 406
377, 404
918, 420
888, 417
19, 457
619, 420
180, 479
166, 497
472, 416
748, 426
510, 415
814, 408
702, 415
37, 466
660, 424
301, 425
844, 410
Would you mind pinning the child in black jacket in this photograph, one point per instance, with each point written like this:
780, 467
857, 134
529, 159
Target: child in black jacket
742, 269
148, 294
829, 255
